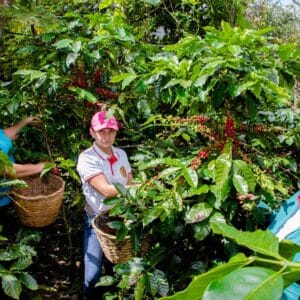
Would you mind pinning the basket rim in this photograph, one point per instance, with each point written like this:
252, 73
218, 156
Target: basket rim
14, 192
111, 236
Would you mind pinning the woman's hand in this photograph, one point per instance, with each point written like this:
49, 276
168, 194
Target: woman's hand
35, 120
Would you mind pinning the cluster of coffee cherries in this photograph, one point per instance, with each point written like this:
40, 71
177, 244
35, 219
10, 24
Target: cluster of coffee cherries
79, 80
106, 93
197, 160
229, 130
56, 171
95, 83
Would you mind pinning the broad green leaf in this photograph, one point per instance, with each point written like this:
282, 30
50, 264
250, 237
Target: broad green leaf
211, 170
244, 86
270, 288
198, 213
206, 72
234, 49
71, 58
251, 106
168, 172
197, 287
201, 231
122, 232
105, 3
35, 237
105, 280
227, 149
28, 281
83, 94
11, 286
13, 183
139, 288
152, 2
127, 81
263, 242
134, 266
152, 214
141, 85
276, 93
127, 78
242, 168
40, 81
291, 276
122, 34
190, 175
240, 184
288, 249
221, 192
64, 43
32, 74
117, 209
23, 262
123, 191
47, 168
247, 283
76, 46
217, 217
285, 51
222, 168
184, 83
135, 241
178, 201
27, 49
121, 77
8, 255
158, 283
226, 28
203, 189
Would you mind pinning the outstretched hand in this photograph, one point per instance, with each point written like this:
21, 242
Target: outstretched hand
34, 120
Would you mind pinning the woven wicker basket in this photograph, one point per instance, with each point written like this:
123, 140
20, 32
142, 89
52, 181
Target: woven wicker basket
117, 252
38, 204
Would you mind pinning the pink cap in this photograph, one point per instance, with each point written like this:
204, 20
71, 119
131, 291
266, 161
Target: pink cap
99, 121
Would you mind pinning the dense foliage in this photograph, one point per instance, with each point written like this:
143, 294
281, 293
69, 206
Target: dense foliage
209, 111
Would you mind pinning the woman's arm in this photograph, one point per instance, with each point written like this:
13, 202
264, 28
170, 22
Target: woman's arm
27, 169
100, 183
12, 132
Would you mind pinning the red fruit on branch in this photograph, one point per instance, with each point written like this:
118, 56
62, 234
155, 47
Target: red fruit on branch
56, 171
202, 119
106, 93
196, 162
81, 82
203, 154
229, 130
97, 75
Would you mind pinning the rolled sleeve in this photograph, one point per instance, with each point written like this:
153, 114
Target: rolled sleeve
88, 167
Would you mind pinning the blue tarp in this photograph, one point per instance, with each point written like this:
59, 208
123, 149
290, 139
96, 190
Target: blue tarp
288, 209
5, 146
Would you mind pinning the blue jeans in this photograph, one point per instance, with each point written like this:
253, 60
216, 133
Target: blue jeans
93, 255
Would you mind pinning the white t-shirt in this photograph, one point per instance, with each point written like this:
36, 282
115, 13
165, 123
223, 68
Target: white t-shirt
291, 225
92, 162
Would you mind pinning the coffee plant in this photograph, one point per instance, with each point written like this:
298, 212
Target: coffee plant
209, 117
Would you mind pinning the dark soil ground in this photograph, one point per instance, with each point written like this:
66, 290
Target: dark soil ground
58, 264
